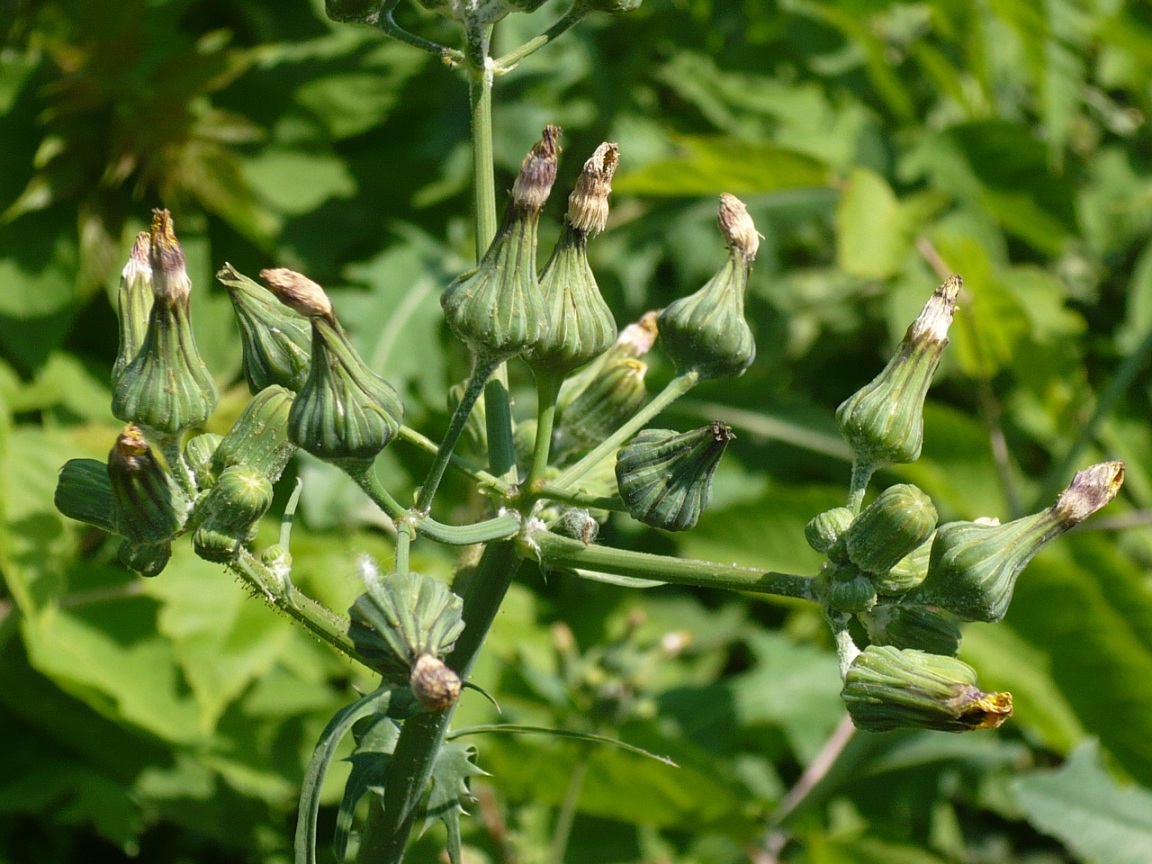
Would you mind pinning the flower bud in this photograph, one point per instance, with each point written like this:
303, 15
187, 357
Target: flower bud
665, 478
884, 421
888, 688
900, 519
148, 504
974, 567
134, 303
497, 308
579, 324
276, 341
434, 685
907, 573
198, 453
166, 387
921, 627
259, 437
825, 532
145, 559
84, 493
344, 410
633, 343
706, 332
401, 618
848, 590
606, 403
231, 512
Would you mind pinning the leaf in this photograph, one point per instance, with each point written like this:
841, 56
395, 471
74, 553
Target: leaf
870, 242
1084, 807
375, 743
296, 181
518, 728
709, 166
454, 767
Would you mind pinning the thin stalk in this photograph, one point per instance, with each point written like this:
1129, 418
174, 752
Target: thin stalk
676, 388
556, 552
479, 67
861, 475
562, 830
286, 597
404, 532
578, 499
481, 371
388, 24
457, 463
547, 391
421, 736
846, 649
566, 22
1119, 385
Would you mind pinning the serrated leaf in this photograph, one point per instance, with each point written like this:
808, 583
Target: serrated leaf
709, 166
454, 767
1083, 806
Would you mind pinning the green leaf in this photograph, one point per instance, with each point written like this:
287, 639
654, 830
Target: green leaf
870, 240
1083, 806
709, 166
297, 181
375, 742
454, 767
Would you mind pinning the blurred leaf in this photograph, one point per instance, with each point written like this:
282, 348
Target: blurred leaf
315, 178
1083, 806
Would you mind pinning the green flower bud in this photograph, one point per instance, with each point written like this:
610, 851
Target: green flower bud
706, 332
402, 617
276, 341
231, 512
134, 303
434, 685
888, 688
84, 493
847, 589
900, 519
344, 410
825, 531
497, 308
145, 559
921, 627
633, 343
166, 387
665, 477
148, 504
884, 421
612, 398
259, 437
907, 573
199, 453
580, 325
974, 567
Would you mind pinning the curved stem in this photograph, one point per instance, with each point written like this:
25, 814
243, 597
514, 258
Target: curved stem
388, 24
570, 18
473, 472
676, 388
556, 552
562, 830
861, 475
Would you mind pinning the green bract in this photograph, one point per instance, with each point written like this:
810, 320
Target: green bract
277, 341
889, 688
825, 531
706, 332
665, 477
134, 303
231, 512
900, 519
921, 627
848, 590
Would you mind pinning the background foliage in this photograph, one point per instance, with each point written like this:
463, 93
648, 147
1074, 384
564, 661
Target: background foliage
170, 720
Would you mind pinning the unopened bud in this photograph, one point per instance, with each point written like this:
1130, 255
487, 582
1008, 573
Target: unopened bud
579, 324
149, 505
434, 685
198, 453
84, 493
276, 340
402, 617
906, 573
921, 627
166, 387
883, 422
633, 343
134, 303
497, 309
889, 688
825, 532
665, 477
900, 519
706, 332
231, 512
847, 589
259, 438
613, 397
344, 410
973, 569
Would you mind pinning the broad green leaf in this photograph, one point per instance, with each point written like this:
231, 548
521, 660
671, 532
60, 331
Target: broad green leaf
709, 166
871, 241
1083, 806
862, 849
297, 181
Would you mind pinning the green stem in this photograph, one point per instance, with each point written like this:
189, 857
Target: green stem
547, 390
498, 416
481, 371
479, 65
1119, 385
468, 469
676, 388
286, 597
421, 736
388, 24
846, 649
579, 499
566, 816
499, 528
556, 552
861, 475
570, 18
404, 532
